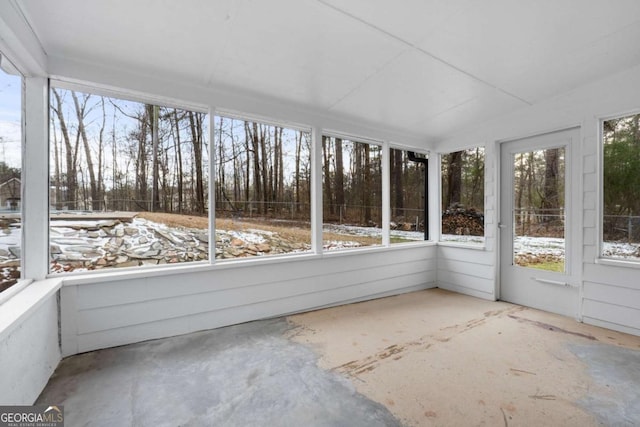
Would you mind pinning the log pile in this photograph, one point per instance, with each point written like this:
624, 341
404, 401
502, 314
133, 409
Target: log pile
462, 222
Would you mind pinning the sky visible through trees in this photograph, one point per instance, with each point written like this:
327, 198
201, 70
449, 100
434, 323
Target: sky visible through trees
112, 154
109, 154
10, 174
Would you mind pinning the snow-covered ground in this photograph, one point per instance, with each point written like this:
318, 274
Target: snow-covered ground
373, 232
630, 251
67, 239
470, 240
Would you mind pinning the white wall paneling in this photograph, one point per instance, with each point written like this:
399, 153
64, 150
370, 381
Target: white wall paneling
99, 315
29, 348
607, 290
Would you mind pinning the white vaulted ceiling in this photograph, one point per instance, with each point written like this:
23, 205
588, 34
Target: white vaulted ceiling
426, 68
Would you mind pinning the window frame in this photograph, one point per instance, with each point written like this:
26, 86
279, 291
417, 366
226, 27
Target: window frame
136, 97
427, 211
384, 156
467, 245
213, 264
599, 226
231, 114
21, 282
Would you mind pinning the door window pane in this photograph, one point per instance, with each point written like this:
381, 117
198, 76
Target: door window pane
10, 174
538, 209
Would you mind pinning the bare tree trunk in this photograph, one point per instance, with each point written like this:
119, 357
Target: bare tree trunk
180, 177
297, 177
257, 174
80, 112
366, 196
266, 184
551, 195
155, 195
195, 121
280, 160
454, 179
100, 161
326, 152
339, 180
221, 188
396, 176
358, 179
247, 178
70, 153
56, 161
114, 165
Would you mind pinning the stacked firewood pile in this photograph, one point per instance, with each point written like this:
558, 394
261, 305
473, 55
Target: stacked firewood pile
463, 222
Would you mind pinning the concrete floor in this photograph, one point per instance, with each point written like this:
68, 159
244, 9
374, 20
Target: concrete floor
426, 358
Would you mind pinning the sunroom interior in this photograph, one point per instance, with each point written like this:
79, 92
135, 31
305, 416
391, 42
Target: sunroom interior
175, 167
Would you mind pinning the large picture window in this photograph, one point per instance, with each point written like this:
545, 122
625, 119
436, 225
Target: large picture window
10, 174
621, 188
129, 183
463, 196
352, 193
262, 189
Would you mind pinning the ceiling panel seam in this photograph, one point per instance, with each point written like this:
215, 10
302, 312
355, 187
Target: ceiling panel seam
27, 22
424, 52
366, 79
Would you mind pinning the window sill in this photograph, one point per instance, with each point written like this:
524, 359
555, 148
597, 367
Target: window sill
25, 302
113, 275
478, 247
14, 290
618, 263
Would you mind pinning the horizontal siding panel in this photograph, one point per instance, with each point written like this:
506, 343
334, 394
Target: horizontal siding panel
625, 316
92, 320
466, 281
134, 290
368, 297
612, 326
474, 256
617, 295
628, 277
466, 291
471, 269
244, 313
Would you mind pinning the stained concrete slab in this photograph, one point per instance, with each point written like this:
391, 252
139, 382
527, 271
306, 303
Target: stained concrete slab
615, 396
245, 375
437, 358
430, 358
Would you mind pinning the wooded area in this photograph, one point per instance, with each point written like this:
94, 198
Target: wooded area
352, 182
407, 191
463, 192
539, 182
112, 154
621, 138
262, 170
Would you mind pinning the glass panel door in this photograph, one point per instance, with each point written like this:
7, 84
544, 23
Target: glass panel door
538, 209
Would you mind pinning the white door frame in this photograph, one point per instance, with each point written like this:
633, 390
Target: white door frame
573, 209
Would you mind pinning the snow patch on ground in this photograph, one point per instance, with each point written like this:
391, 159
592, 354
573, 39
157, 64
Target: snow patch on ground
249, 236
470, 240
628, 251
66, 237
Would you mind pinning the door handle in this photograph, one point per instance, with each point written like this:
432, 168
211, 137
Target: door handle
553, 282
501, 225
